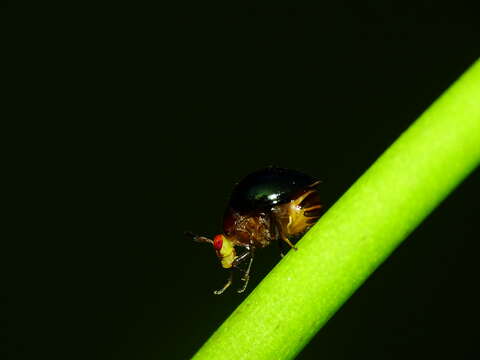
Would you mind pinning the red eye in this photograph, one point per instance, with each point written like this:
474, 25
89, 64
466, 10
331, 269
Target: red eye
218, 242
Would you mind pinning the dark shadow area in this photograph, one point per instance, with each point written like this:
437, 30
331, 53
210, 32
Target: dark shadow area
157, 122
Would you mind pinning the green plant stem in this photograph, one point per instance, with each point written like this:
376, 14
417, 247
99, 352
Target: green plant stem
357, 234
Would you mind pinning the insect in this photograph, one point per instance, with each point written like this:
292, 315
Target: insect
272, 204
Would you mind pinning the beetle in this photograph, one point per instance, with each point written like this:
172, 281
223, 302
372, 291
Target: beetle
271, 204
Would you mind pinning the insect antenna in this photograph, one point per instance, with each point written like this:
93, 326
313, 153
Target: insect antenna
200, 239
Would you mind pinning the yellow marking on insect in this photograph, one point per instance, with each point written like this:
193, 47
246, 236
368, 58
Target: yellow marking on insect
227, 253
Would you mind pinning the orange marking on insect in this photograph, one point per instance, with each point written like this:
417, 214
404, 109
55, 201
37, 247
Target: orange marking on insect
313, 208
303, 197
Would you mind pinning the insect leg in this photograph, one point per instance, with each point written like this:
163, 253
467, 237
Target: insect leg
281, 235
246, 274
281, 248
225, 287
284, 238
240, 258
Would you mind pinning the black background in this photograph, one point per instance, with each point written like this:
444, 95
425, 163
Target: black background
161, 116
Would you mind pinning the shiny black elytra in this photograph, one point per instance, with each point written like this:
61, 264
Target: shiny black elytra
267, 205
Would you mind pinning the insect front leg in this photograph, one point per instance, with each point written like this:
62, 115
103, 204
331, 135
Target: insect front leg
225, 287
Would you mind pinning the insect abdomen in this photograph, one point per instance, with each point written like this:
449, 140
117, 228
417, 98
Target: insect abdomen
298, 215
